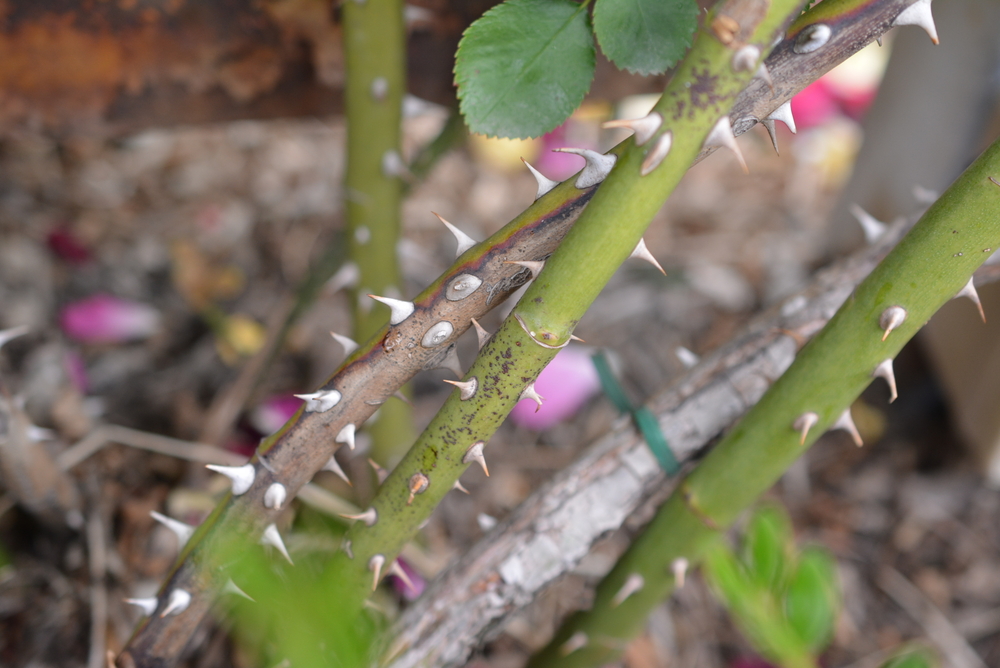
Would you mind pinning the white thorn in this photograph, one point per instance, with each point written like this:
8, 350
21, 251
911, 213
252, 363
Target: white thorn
350, 345
486, 522
380, 472
346, 277
633, 583
803, 424
784, 114
242, 476
147, 605
970, 291
398, 394
598, 166
679, 567
12, 333
687, 358
458, 485
919, 14
812, 38
534, 266
475, 454
465, 242
642, 253
745, 58
769, 126
273, 538
884, 370
467, 388
334, 467
451, 362
891, 318
722, 135
321, 401
177, 603
544, 184
401, 310
576, 641
275, 496
37, 434
180, 529
846, 423
481, 334
764, 75
375, 566
531, 393
231, 588
417, 484
871, 226
369, 517
644, 128
346, 435
398, 571
657, 154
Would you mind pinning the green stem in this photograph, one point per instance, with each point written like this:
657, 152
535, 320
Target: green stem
928, 267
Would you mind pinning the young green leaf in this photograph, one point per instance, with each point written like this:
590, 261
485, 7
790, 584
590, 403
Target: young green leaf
645, 36
812, 600
768, 548
524, 66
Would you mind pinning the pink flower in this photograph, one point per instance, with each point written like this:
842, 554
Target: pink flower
106, 319
273, 412
408, 592
566, 384
557, 165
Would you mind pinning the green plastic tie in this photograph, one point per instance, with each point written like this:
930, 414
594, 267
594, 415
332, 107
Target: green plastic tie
644, 419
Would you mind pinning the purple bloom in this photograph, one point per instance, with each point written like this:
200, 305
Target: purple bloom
566, 384
106, 319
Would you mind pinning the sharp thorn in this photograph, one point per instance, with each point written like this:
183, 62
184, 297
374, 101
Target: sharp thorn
465, 242
369, 517
644, 128
467, 388
534, 266
398, 571
846, 423
657, 153
482, 336
597, 169
177, 603
531, 393
803, 424
451, 362
679, 567
745, 58
633, 583
320, 402
346, 277
275, 496
884, 370
544, 184
346, 435
871, 226
375, 566
417, 484
12, 333
273, 538
784, 114
919, 14
574, 337
459, 487
180, 529
334, 467
891, 318
231, 588
349, 344
475, 454
878, 40
402, 397
642, 253
380, 473
147, 605
764, 75
401, 310
687, 358
769, 126
970, 291
242, 476
576, 641
722, 135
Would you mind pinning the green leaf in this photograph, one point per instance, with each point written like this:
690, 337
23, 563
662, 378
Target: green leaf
768, 547
524, 66
812, 600
645, 36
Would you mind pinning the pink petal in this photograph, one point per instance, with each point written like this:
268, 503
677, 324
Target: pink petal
566, 384
814, 105
107, 319
273, 412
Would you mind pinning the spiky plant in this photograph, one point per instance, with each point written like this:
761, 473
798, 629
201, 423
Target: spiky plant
421, 333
